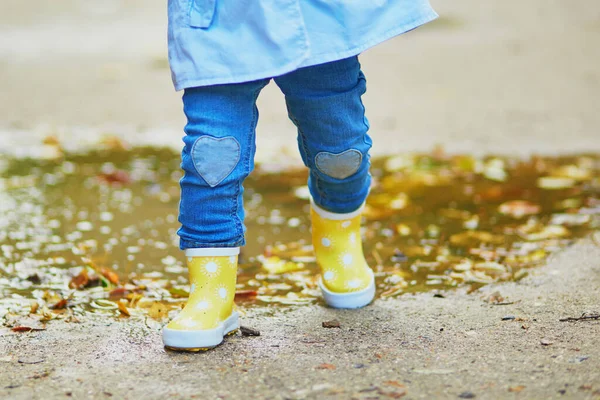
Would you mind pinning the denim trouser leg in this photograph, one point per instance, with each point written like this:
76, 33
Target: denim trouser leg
324, 102
218, 155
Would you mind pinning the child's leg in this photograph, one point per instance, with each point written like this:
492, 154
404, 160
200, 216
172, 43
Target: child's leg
324, 102
218, 156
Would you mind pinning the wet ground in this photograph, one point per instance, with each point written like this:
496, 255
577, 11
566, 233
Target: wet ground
96, 232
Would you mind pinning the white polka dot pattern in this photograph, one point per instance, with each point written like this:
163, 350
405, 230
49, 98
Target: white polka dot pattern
338, 249
212, 285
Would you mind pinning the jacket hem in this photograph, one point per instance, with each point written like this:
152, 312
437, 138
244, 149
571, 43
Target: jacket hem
308, 60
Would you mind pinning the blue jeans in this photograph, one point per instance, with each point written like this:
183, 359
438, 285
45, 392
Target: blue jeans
323, 101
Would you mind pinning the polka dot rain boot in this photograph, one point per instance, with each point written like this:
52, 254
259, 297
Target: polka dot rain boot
209, 313
346, 279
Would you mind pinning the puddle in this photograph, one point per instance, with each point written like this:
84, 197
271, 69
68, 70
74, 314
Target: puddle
100, 227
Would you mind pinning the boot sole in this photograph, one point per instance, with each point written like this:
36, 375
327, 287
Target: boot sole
351, 299
200, 339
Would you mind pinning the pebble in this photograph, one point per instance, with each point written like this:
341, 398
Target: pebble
467, 395
508, 318
246, 331
331, 324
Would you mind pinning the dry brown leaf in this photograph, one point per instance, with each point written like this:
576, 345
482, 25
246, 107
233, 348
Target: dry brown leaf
516, 389
245, 295
394, 383
51, 140
325, 366
28, 326
118, 293
393, 395
475, 238
60, 305
80, 281
110, 275
116, 178
123, 309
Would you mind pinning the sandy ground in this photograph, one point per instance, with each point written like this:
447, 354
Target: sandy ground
498, 77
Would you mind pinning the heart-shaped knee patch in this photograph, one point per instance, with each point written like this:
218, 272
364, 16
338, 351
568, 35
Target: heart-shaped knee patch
340, 165
215, 158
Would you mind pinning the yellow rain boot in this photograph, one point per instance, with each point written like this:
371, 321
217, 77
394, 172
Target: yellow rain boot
208, 315
346, 279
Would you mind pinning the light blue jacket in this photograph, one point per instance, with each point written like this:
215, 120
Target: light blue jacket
230, 41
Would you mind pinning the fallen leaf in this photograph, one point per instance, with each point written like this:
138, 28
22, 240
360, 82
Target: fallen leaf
115, 178
80, 281
276, 265
51, 140
22, 328
494, 170
118, 293
325, 366
72, 319
494, 298
178, 293
490, 267
123, 309
536, 232
516, 389
114, 143
60, 305
110, 275
394, 383
245, 294
555, 183
573, 172
392, 395
519, 208
158, 311
475, 238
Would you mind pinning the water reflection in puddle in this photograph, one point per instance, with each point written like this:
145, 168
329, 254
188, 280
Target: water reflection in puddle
99, 230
